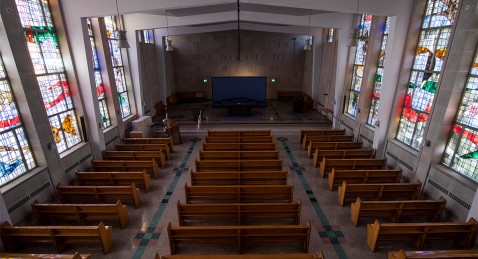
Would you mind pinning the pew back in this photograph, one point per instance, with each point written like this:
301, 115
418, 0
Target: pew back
238, 133
241, 139
436, 254
136, 155
351, 164
341, 154
238, 155
58, 236
238, 165
331, 138
239, 178
140, 179
168, 141
239, 193
239, 147
378, 191
336, 177
99, 194
145, 147
320, 132
126, 166
396, 210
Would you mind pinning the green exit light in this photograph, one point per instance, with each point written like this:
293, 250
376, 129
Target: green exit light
205, 80
273, 80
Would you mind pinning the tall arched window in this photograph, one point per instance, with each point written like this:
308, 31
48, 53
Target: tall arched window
377, 87
427, 66
461, 152
100, 89
362, 37
118, 67
16, 157
42, 42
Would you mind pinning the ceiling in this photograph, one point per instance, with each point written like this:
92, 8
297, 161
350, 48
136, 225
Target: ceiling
230, 7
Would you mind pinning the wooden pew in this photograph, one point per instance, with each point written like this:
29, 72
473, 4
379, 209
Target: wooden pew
239, 193
351, 164
241, 236
145, 147
126, 166
320, 132
239, 146
331, 138
314, 147
81, 213
336, 177
58, 236
238, 133
238, 155
240, 213
396, 210
238, 165
140, 179
246, 256
136, 155
436, 254
342, 154
378, 191
168, 141
240, 178
241, 139
463, 233
46, 256
98, 194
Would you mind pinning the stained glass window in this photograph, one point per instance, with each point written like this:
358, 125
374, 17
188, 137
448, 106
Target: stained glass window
427, 65
16, 157
42, 43
100, 91
118, 68
375, 100
461, 152
362, 38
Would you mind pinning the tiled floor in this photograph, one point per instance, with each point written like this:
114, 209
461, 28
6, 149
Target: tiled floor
332, 230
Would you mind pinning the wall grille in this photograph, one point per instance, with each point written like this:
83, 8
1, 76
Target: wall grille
111, 140
367, 139
451, 195
40, 189
347, 126
400, 161
18, 204
69, 169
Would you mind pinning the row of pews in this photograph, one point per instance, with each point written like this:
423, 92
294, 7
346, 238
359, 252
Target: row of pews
239, 195
378, 193
99, 196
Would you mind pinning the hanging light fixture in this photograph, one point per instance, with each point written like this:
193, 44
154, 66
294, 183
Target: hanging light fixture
122, 41
308, 41
169, 46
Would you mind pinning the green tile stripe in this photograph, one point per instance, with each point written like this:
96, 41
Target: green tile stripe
143, 244
339, 251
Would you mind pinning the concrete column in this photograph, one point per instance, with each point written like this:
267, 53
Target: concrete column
4, 216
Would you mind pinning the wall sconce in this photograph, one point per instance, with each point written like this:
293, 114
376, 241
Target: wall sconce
273, 80
205, 80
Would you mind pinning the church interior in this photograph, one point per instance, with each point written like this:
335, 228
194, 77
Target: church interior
239, 129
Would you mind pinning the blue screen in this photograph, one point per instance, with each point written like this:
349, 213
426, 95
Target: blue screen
253, 88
